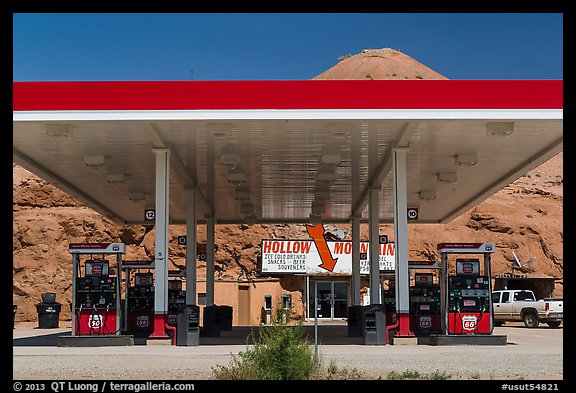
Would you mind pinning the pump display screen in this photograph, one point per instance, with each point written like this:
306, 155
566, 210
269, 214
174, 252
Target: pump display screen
467, 266
423, 279
175, 285
143, 279
96, 269
469, 302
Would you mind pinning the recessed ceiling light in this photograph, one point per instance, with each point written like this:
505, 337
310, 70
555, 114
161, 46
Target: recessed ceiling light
468, 159
59, 130
219, 130
427, 195
136, 196
500, 128
94, 161
243, 192
447, 177
236, 178
115, 177
340, 130
229, 157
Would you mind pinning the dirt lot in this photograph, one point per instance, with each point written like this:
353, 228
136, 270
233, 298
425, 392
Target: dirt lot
530, 354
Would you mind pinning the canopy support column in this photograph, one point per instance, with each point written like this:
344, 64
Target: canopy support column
374, 218
191, 250
161, 242
209, 261
402, 274
374, 229
356, 142
356, 261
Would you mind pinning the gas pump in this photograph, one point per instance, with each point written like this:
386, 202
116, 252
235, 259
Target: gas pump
140, 303
96, 293
138, 296
176, 298
466, 296
389, 297
425, 304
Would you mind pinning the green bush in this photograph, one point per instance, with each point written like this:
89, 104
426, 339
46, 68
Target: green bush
414, 374
333, 372
279, 352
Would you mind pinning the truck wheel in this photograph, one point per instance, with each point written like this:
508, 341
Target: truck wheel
554, 324
531, 320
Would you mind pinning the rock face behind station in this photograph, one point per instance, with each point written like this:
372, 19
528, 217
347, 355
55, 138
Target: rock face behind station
524, 217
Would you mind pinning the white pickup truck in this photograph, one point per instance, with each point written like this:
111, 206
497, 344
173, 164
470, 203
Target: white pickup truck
521, 305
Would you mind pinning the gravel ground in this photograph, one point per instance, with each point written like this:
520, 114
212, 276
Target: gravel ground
531, 354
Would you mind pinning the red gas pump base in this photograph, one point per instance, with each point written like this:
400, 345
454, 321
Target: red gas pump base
404, 325
404, 336
159, 335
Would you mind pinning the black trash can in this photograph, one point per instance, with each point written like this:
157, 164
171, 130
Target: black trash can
226, 315
355, 321
48, 311
212, 321
14, 307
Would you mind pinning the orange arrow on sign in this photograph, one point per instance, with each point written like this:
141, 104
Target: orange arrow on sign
316, 232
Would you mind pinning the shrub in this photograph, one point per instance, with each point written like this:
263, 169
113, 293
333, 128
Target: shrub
333, 372
279, 352
413, 374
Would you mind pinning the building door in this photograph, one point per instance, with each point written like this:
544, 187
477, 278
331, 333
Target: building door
332, 298
244, 305
340, 296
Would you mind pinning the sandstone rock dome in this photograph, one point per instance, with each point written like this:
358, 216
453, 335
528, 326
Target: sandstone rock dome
384, 63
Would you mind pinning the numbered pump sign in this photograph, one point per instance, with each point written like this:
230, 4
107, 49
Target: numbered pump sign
412, 213
149, 216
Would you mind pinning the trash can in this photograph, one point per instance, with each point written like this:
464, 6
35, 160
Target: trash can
212, 321
48, 311
226, 316
14, 307
188, 326
355, 321
375, 324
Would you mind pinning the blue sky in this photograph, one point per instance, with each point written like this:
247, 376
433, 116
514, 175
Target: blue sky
282, 46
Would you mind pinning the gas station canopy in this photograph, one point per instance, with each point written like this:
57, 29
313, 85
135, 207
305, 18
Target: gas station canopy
285, 151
